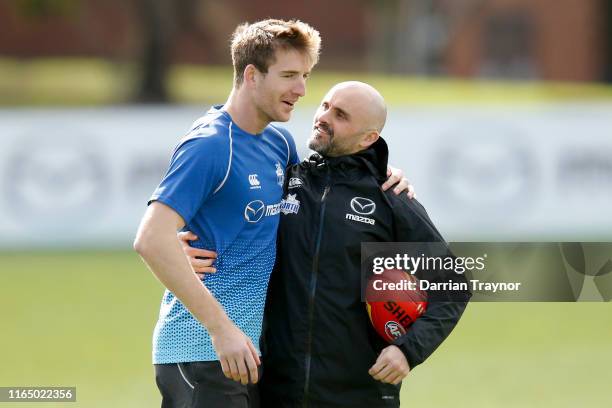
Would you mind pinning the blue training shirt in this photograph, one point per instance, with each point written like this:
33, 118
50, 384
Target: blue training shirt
227, 186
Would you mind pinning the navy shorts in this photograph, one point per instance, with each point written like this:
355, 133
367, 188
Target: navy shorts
202, 385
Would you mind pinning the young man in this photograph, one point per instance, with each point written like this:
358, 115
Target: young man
320, 349
225, 184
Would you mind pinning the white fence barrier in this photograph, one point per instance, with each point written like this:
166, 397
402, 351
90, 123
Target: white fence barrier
81, 177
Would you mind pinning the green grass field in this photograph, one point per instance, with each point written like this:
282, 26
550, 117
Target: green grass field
85, 319
92, 82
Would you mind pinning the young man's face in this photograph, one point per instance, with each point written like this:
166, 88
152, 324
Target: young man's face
340, 123
278, 91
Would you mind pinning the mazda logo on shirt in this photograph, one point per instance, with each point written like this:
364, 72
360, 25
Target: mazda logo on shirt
363, 206
254, 211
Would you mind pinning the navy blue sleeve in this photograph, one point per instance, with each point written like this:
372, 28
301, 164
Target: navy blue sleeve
198, 167
412, 224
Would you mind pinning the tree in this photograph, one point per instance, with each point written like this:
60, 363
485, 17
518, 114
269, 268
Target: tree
158, 30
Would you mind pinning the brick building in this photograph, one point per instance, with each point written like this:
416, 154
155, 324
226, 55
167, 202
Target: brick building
546, 39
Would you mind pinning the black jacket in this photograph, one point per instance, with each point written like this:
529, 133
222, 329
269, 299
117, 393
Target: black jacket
318, 343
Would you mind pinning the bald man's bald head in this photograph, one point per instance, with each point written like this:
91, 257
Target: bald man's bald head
371, 98
350, 119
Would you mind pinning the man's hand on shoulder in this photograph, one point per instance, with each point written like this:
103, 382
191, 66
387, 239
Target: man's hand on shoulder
399, 183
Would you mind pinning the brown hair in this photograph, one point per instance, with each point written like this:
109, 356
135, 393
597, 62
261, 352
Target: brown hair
257, 44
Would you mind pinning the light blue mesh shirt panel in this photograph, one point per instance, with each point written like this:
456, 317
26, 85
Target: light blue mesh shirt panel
227, 185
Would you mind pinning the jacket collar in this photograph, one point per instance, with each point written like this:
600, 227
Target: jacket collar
374, 159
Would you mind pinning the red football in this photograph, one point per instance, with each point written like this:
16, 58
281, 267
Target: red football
394, 301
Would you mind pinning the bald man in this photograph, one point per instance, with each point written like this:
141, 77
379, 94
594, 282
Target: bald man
350, 119
319, 349
318, 346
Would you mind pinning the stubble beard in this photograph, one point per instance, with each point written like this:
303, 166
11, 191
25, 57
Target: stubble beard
323, 147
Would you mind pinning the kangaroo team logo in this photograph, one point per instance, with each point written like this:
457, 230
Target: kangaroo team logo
290, 205
280, 174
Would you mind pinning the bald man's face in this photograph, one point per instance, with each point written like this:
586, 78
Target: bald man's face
342, 122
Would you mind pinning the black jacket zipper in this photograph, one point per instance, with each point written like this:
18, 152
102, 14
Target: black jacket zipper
313, 288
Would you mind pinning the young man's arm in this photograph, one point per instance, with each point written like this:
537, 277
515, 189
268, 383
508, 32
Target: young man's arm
158, 245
